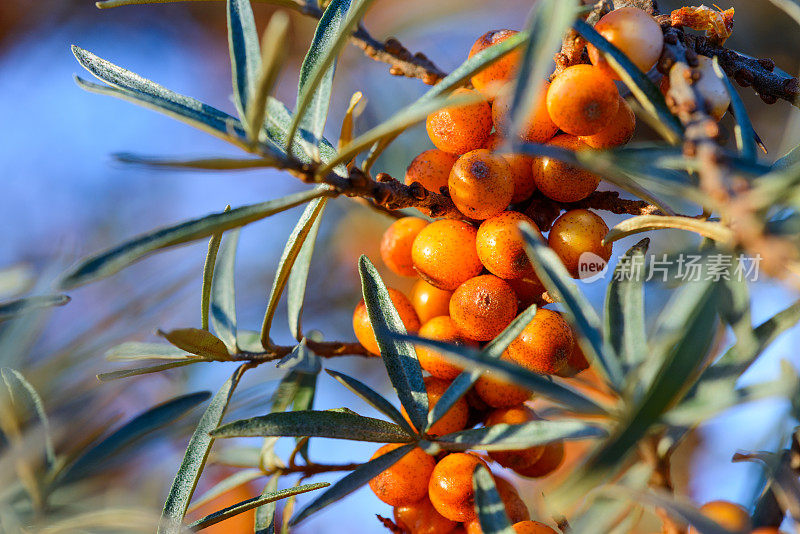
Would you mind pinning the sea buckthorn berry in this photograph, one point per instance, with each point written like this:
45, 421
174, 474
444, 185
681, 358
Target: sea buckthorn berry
529, 291
406, 481
502, 248
618, 133
544, 345
450, 486
493, 76
422, 518
431, 169
635, 33
396, 245
577, 232
521, 167
363, 327
456, 417
576, 362
561, 181
532, 527
538, 127
480, 184
498, 393
727, 514
482, 307
551, 460
441, 329
582, 100
459, 129
429, 301
514, 415
444, 253
516, 510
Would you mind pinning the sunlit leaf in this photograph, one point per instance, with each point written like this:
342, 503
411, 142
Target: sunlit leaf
208, 275
516, 437
185, 482
399, 357
298, 277
489, 508
645, 223
245, 52
274, 50
197, 341
223, 294
205, 164
323, 424
623, 317
237, 479
146, 351
265, 514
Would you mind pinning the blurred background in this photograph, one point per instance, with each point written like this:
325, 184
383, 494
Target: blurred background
64, 196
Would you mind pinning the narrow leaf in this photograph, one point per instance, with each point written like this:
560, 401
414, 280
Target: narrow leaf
273, 55
646, 223
208, 275
322, 424
623, 324
265, 514
516, 437
489, 508
115, 259
11, 308
15, 381
223, 294
197, 341
203, 164
399, 357
298, 277
745, 134
348, 484
180, 494
237, 479
146, 351
138, 371
245, 52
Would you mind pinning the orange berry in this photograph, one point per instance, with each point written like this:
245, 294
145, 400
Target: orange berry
406, 481
459, 129
618, 133
529, 291
363, 327
544, 345
422, 518
582, 100
444, 253
550, 461
538, 127
532, 527
561, 181
516, 510
429, 301
577, 232
431, 169
727, 514
767, 530
482, 307
576, 362
489, 79
479, 184
499, 393
243, 522
635, 33
396, 245
442, 329
514, 415
502, 248
521, 167
450, 486
456, 417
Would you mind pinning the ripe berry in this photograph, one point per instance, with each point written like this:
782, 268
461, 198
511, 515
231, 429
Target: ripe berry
561, 181
582, 100
502, 248
440, 328
431, 169
521, 167
514, 459
529, 291
618, 133
577, 232
429, 301
544, 345
422, 518
499, 393
482, 307
456, 417
396, 245
576, 362
538, 127
727, 514
489, 79
363, 327
635, 33
444, 253
532, 527
479, 184
516, 510
406, 481
551, 460
450, 486
460, 129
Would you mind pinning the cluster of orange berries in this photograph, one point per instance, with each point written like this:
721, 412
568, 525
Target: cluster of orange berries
474, 277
